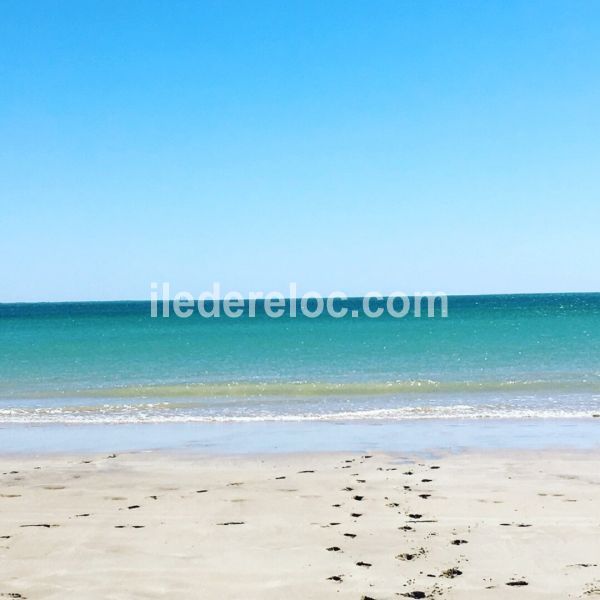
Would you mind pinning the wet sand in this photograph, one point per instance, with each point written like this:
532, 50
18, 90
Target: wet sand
485, 526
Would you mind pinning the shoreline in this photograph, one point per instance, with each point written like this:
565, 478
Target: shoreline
187, 456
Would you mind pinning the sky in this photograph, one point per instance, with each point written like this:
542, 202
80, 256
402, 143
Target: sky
342, 145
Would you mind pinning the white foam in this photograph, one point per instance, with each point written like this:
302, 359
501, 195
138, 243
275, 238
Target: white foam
132, 414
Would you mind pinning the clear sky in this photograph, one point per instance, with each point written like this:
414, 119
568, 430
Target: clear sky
402, 145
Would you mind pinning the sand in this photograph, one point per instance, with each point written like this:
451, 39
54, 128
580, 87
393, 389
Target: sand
151, 525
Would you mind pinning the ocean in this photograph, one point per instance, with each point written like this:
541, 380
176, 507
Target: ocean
492, 357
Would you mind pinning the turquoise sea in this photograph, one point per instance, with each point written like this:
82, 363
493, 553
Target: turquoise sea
508, 357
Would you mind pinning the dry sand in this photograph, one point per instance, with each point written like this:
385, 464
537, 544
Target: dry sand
482, 526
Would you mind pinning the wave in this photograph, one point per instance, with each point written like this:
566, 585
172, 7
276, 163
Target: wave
314, 389
165, 413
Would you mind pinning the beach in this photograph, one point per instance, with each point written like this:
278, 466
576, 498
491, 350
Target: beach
364, 459
299, 301
478, 524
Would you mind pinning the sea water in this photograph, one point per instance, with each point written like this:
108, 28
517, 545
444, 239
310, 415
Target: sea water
505, 357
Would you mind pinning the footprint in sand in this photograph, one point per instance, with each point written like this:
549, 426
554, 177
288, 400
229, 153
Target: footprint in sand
451, 573
593, 589
406, 556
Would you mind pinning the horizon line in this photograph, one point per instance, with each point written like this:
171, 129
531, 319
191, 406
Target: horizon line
286, 298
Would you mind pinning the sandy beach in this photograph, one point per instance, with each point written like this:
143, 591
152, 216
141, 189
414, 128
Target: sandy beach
148, 525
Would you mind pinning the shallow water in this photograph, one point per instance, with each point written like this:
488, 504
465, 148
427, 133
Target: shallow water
260, 437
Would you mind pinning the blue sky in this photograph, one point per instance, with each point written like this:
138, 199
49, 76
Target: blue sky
343, 145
